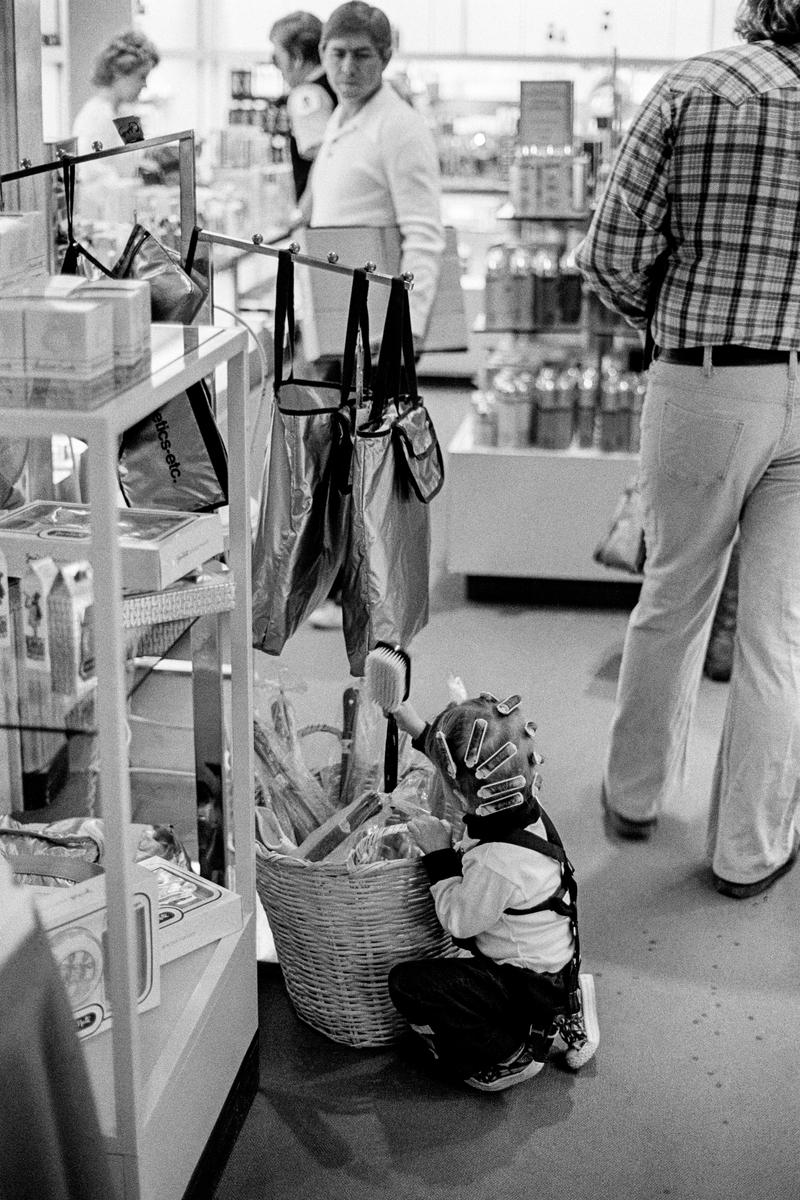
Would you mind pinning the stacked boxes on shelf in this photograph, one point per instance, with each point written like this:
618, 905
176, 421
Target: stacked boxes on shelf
46, 628
67, 343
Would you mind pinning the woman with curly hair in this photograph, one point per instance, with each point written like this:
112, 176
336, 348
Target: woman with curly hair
120, 75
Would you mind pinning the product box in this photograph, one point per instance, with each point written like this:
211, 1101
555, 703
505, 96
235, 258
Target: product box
158, 545
76, 922
70, 612
44, 758
12, 338
192, 911
130, 306
10, 753
22, 252
69, 352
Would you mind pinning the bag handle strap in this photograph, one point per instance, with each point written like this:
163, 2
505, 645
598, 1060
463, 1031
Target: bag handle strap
54, 866
74, 249
284, 313
191, 250
357, 321
397, 373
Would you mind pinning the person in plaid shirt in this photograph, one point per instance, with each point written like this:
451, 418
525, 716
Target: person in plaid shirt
698, 235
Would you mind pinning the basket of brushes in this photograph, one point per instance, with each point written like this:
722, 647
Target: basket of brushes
344, 898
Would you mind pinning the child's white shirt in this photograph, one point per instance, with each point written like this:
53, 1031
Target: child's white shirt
496, 876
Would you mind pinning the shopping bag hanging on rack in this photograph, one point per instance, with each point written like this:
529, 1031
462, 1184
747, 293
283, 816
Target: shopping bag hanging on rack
397, 468
304, 504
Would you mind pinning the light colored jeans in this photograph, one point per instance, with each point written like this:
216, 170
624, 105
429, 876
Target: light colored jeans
720, 449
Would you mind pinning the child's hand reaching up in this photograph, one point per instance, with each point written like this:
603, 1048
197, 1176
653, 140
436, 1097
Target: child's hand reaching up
430, 833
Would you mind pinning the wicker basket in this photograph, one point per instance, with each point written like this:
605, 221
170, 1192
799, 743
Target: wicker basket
339, 930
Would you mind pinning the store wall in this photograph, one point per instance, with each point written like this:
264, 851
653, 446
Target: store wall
469, 49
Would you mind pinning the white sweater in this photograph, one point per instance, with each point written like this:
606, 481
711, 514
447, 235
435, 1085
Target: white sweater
496, 876
379, 168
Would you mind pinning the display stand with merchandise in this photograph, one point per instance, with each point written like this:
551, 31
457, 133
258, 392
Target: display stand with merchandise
170, 1084
553, 432
162, 1078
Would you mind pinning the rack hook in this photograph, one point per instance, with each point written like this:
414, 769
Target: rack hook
370, 266
333, 257
257, 239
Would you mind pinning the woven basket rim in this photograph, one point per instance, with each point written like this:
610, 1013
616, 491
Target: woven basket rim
289, 860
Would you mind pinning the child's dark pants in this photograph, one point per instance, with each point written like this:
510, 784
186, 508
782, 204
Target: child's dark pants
480, 1011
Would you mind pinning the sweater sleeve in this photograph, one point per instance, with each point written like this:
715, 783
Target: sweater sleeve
412, 171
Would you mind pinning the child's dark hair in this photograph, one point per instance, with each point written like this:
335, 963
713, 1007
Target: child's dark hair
485, 748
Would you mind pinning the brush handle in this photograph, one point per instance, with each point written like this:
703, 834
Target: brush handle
390, 755
349, 713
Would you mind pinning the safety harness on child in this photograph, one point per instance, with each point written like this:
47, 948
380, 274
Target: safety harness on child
553, 848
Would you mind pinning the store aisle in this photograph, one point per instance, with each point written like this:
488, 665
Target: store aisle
694, 1092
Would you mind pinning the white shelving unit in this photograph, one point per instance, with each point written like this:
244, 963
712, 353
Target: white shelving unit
555, 506
161, 1078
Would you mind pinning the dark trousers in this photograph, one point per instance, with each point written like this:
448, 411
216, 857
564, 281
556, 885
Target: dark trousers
480, 1011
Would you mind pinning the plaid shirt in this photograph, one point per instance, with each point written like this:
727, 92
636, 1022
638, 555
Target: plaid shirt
709, 175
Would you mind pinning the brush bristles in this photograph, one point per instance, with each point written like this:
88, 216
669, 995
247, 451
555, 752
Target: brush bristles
386, 678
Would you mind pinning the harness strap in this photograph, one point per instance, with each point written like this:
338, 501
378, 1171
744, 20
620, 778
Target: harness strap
553, 848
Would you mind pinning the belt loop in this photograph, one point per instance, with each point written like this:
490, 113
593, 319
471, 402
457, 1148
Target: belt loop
793, 365
707, 361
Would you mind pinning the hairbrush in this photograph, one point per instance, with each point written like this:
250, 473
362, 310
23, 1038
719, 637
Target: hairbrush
388, 676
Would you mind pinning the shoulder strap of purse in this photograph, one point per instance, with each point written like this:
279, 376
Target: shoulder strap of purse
74, 249
284, 314
357, 321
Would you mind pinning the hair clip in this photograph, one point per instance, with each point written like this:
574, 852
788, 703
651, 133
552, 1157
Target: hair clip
479, 728
536, 784
490, 790
490, 696
509, 705
499, 805
496, 760
440, 741
530, 728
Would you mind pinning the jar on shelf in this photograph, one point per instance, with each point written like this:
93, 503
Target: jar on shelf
544, 265
500, 294
521, 271
614, 409
513, 410
554, 408
570, 283
586, 407
484, 419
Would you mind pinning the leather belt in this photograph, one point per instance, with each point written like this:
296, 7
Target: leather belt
723, 356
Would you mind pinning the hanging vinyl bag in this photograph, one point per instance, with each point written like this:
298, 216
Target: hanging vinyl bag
304, 506
397, 469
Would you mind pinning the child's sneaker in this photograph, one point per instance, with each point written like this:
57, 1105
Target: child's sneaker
517, 1069
579, 1035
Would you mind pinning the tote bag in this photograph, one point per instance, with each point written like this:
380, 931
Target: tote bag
304, 505
396, 468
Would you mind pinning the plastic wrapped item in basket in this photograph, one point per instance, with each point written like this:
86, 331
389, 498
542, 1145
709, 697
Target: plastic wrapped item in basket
339, 930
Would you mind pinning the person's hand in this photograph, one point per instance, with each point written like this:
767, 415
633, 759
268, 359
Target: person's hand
408, 719
430, 833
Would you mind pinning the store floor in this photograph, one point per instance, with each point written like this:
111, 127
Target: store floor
693, 1094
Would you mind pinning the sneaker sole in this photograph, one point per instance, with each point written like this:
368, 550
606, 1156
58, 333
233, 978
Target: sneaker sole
500, 1085
579, 1058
